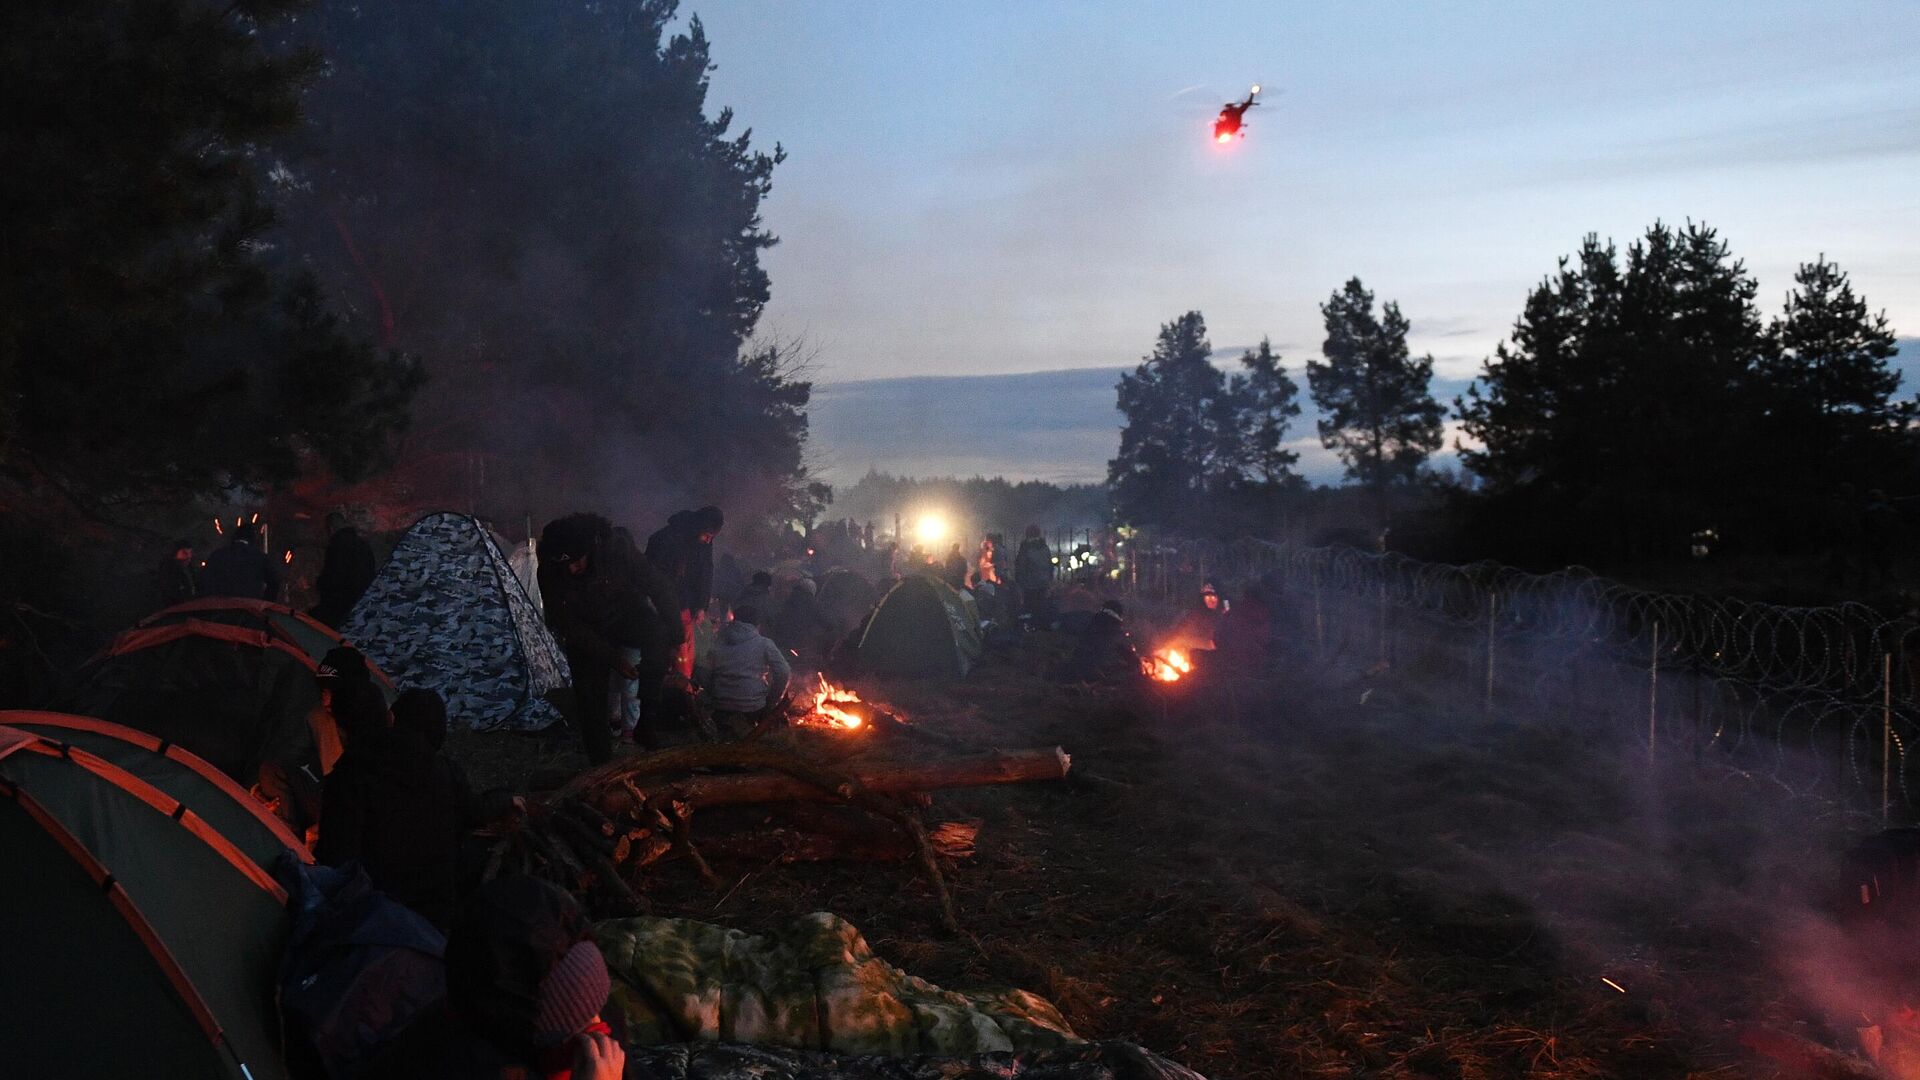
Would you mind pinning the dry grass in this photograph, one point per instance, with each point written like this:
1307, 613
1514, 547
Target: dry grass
1300, 885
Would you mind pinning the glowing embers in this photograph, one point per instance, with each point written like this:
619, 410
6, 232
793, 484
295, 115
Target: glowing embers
1166, 665
832, 707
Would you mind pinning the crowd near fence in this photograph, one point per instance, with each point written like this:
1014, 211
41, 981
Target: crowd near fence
1822, 700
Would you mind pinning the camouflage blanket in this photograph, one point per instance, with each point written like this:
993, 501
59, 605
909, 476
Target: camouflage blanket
1088, 1061
815, 985
447, 612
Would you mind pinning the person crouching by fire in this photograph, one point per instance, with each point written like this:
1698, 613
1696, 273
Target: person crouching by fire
745, 673
595, 613
1104, 651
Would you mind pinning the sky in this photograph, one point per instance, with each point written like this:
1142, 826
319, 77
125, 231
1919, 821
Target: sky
986, 188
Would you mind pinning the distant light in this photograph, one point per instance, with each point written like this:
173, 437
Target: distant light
1256, 88
931, 528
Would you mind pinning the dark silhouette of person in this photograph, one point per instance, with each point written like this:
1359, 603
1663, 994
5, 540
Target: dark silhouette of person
240, 568
175, 578
345, 572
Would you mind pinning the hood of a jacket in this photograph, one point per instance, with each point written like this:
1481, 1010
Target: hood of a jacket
738, 633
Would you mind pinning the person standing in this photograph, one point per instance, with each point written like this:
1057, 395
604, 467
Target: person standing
682, 550
175, 582
594, 614
240, 568
1033, 572
345, 573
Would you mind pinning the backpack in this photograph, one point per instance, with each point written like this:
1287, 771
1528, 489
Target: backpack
358, 968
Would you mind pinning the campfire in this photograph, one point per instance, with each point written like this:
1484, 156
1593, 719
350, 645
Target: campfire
832, 707
1166, 665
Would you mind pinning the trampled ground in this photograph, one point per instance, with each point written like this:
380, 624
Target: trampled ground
1322, 874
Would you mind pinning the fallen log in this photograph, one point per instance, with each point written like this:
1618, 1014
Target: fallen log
870, 777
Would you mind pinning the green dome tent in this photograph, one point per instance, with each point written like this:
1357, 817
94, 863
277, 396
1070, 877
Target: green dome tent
922, 627
139, 930
229, 679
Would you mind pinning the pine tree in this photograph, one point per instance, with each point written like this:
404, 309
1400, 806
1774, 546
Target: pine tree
534, 198
1377, 412
1269, 404
152, 345
1169, 443
1826, 375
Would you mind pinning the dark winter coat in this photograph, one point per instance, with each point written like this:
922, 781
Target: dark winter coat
802, 626
390, 803
344, 576
174, 582
1033, 564
677, 552
240, 569
1104, 651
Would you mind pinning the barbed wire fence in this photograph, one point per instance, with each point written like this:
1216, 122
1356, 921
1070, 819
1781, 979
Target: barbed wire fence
1825, 700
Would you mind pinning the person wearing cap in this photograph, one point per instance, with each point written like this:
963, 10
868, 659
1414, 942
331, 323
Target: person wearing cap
683, 551
525, 986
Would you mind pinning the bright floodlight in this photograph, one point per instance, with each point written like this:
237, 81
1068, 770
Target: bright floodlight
931, 528
1256, 88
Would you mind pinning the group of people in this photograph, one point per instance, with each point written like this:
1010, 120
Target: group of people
243, 568
627, 618
524, 981
1032, 572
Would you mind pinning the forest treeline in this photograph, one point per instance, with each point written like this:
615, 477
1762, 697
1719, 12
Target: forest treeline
1641, 398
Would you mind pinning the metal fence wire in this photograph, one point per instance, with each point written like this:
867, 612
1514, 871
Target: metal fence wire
1821, 697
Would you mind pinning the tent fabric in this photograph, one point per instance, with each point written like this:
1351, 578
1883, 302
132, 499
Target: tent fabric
448, 613
139, 941
213, 795
230, 680
923, 627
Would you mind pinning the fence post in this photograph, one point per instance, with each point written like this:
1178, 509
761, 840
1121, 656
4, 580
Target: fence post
1886, 737
1653, 695
1319, 623
1493, 618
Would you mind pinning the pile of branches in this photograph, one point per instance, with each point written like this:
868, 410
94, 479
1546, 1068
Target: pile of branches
612, 822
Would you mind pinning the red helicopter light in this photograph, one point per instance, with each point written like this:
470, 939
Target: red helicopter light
1224, 137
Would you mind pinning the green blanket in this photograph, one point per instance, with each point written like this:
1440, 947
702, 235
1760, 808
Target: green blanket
815, 985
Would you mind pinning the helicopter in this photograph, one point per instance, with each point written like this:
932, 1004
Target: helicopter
1230, 123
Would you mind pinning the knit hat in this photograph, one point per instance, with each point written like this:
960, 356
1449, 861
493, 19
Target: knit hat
510, 936
571, 995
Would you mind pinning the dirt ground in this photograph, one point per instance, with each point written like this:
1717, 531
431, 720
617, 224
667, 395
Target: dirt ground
1325, 873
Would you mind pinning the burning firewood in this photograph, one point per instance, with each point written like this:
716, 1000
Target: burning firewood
1166, 665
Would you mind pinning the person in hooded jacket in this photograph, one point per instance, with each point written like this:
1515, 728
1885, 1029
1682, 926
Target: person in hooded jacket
1033, 571
745, 672
595, 611
525, 986
682, 550
389, 805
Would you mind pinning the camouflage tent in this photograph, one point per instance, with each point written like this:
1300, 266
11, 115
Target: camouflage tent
448, 613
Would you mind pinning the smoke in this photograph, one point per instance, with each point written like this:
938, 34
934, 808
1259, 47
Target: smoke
1702, 887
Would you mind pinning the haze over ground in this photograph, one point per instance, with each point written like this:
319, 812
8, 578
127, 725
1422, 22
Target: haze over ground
1002, 188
